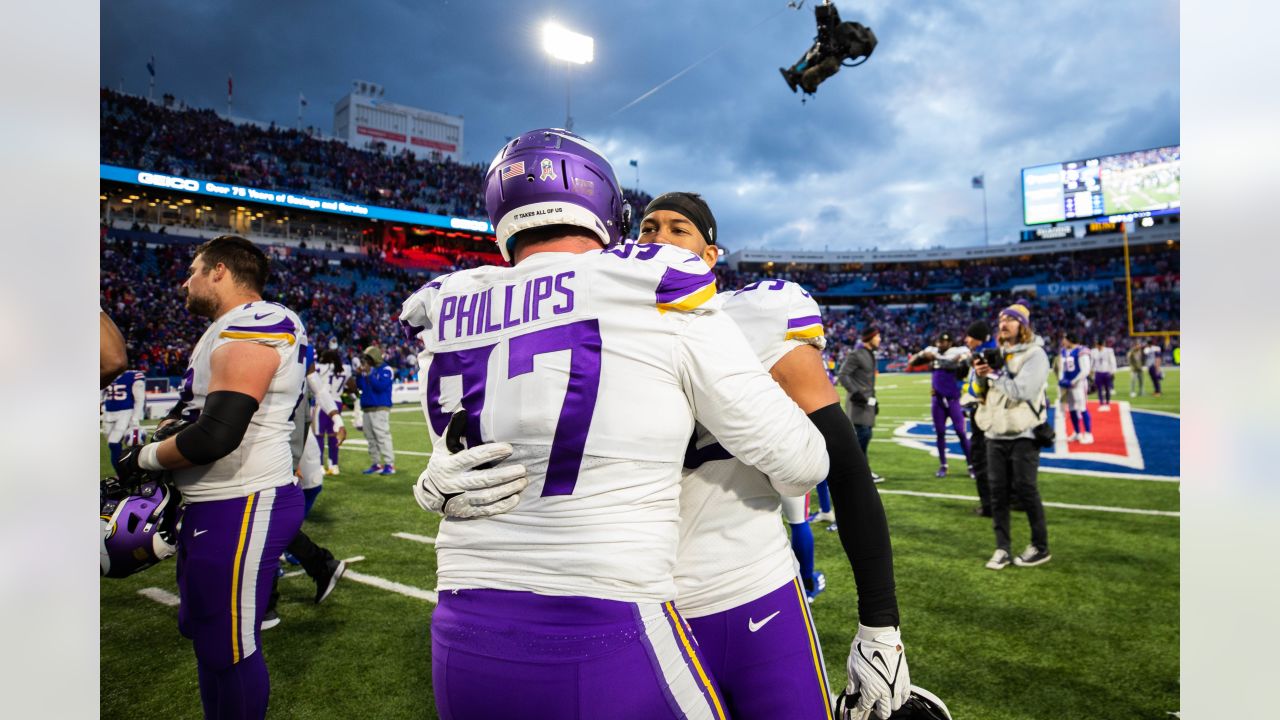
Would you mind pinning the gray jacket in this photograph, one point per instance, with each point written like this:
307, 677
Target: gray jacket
1027, 385
858, 378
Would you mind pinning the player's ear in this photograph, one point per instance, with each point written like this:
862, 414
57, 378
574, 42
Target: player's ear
711, 255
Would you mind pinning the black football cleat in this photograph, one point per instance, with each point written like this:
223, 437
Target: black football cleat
329, 579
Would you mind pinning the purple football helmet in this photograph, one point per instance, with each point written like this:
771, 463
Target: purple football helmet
553, 177
137, 527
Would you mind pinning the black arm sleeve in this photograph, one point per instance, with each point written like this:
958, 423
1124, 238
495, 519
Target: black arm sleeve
219, 429
860, 518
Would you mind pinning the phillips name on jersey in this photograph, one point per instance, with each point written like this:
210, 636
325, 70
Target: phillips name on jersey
588, 364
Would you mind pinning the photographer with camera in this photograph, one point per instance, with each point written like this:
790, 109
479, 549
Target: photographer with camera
1011, 383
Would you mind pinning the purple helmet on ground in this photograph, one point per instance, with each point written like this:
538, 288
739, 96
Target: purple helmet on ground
553, 177
137, 527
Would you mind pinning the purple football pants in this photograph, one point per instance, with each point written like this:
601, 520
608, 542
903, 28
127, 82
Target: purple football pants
948, 407
326, 433
228, 554
504, 654
1106, 383
766, 658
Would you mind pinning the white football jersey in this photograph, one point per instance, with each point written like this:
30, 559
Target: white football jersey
593, 366
734, 547
955, 353
263, 459
1104, 360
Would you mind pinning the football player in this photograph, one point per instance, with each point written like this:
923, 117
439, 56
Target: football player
1103, 357
950, 365
735, 575
318, 562
124, 403
232, 463
584, 365
329, 426
1074, 365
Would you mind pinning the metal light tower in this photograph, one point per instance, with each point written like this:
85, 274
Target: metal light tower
574, 49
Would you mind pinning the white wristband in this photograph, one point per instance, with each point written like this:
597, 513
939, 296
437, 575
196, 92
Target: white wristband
337, 421
147, 458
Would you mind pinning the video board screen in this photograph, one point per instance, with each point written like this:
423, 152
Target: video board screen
1146, 182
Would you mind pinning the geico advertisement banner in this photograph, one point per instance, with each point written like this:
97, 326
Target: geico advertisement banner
286, 199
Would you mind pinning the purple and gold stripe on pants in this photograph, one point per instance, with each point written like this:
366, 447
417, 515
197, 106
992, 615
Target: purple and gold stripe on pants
766, 658
228, 552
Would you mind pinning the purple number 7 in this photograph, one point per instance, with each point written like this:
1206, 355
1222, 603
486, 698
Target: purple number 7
582, 340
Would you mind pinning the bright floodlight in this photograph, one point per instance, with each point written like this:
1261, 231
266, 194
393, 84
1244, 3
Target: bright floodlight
567, 45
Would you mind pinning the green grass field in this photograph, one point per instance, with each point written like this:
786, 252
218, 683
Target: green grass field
1092, 634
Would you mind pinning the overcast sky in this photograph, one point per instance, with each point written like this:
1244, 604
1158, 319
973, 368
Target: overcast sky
882, 156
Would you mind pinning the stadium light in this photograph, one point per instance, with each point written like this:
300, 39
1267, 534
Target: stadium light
573, 48
567, 45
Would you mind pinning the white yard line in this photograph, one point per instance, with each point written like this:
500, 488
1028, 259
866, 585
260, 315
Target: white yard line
416, 538
1067, 506
296, 573
164, 597
391, 586
380, 583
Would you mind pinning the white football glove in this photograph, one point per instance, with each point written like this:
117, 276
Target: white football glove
878, 676
454, 485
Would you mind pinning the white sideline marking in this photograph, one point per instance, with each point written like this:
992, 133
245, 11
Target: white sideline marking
395, 587
164, 597
348, 561
380, 583
416, 538
1068, 506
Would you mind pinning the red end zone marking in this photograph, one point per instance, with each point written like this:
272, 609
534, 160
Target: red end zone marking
1108, 431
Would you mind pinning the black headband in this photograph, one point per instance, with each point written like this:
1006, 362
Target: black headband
692, 207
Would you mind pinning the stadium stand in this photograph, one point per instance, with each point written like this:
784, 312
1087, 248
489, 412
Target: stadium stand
356, 298
349, 281
198, 143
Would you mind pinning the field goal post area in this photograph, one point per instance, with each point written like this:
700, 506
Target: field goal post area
1128, 295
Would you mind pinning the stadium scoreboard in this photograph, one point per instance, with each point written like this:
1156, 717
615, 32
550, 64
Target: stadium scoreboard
1134, 184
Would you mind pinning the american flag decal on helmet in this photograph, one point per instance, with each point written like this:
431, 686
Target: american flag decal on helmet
513, 170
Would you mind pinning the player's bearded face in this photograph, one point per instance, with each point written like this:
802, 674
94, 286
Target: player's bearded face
198, 290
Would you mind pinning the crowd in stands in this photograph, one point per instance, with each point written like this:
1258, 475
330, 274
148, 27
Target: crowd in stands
970, 276
355, 300
198, 143
909, 328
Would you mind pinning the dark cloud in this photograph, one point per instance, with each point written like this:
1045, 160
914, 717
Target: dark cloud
882, 156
